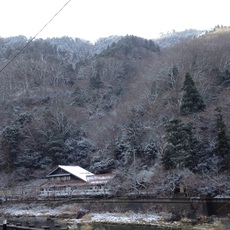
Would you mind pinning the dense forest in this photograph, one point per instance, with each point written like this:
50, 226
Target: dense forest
156, 115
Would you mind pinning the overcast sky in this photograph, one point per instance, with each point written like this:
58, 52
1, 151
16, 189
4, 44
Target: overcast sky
92, 19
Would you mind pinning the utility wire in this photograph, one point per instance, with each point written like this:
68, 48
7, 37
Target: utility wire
24, 47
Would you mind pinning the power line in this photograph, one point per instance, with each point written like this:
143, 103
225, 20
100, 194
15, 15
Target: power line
24, 47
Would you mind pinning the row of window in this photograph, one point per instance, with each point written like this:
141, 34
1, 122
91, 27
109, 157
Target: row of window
68, 188
62, 178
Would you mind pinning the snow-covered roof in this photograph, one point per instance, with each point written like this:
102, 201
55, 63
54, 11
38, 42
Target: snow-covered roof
75, 171
100, 178
32, 183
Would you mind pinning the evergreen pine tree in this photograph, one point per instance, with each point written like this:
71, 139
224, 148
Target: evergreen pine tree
135, 132
192, 101
130, 146
222, 145
175, 71
182, 148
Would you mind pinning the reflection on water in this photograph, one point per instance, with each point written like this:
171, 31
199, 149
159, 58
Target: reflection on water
125, 227
60, 224
227, 224
133, 227
36, 222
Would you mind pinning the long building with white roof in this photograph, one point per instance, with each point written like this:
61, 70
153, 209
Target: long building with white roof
75, 181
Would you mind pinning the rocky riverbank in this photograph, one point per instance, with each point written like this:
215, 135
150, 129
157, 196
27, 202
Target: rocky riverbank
70, 214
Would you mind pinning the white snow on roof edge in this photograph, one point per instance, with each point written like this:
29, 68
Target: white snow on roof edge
77, 171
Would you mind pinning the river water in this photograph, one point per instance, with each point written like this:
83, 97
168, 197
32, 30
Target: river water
59, 224
125, 227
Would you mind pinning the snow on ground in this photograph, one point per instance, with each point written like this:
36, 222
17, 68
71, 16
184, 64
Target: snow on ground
128, 217
37, 210
69, 212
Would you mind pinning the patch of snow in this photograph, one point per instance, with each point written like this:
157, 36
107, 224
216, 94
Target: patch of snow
129, 217
35, 210
40, 210
222, 196
124, 218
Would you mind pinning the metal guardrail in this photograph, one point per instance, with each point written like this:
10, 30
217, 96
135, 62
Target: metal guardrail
119, 199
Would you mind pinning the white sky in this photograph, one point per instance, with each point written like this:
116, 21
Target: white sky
92, 19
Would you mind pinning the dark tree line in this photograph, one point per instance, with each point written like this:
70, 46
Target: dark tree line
132, 108
183, 149
192, 101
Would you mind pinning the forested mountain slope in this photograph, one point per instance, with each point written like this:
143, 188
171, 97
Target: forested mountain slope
171, 38
161, 115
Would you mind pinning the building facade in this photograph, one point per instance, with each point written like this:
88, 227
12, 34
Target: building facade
71, 181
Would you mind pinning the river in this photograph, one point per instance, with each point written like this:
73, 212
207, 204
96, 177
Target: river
60, 224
